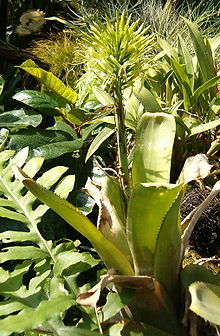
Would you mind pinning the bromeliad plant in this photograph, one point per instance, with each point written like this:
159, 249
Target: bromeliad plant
140, 239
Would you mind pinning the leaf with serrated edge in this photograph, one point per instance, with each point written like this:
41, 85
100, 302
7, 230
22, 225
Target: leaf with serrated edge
148, 206
112, 257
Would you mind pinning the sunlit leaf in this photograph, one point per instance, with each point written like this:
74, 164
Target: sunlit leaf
145, 220
203, 55
153, 148
205, 301
106, 249
50, 81
98, 140
38, 100
19, 118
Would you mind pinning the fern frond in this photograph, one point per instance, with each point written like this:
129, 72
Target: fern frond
32, 294
17, 204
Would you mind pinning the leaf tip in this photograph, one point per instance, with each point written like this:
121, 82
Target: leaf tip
18, 173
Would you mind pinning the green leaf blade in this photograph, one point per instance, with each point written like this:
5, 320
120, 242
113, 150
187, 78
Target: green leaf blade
38, 100
203, 54
148, 206
19, 118
98, 140
153, 150
206, 301
50, 81
169, 248
112, 257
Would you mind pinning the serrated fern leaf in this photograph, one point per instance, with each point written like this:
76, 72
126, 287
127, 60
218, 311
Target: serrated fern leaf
17, 205
30, 318
33, 271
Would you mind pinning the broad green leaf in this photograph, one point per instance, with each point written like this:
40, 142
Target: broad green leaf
115, 302
147, 99
19, 206
197, 273
11, 214
77, 116
19, 159
36, 138
148, 206
30, 318
76, 331
12, 281
115, 330
50, 177
46, 143
169, 248
133, 109
204, 127
205, 301
186, 58
24, 252
78, 262
112, 257
50, 81
10, 307
16, 236
203, 53
102, 96
184, 83
19, 118
31, 294
61, 125
33, 166
98, 140
65, 186
57, 149
207, 85
38, 100
168, 49
153, 149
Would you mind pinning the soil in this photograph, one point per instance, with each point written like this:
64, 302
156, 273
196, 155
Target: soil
205, 238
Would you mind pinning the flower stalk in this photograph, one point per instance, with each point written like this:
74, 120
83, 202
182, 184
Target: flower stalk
123, 170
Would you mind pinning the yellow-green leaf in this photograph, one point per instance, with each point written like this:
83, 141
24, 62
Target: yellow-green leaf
111, 255
50, 81
148, 206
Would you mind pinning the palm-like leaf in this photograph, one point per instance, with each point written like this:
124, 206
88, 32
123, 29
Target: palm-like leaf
16, 206
29, 305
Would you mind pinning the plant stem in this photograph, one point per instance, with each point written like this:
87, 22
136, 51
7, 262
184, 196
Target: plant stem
123, 170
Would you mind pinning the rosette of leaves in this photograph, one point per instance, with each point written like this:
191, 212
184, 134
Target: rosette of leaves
142, 242
119, 50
